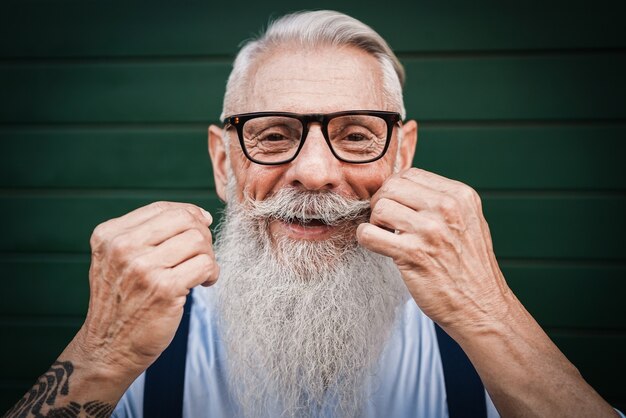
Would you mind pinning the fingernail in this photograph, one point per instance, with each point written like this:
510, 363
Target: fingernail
207, 215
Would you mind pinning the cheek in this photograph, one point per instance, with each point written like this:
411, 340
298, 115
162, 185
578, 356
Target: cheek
254, 180
372, 176
366, 180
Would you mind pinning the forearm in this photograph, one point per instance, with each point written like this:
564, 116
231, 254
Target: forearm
525, 373
143, 267
75, 385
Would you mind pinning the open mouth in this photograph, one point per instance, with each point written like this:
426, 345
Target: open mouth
307, 223
303, 228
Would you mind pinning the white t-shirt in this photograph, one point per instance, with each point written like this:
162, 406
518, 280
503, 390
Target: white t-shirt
409, 381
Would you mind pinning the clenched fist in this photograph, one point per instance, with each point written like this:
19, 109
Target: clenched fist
143, 265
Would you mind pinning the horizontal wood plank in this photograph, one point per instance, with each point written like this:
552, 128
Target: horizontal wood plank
568, 227
45, 286
558, 295
522, 225
538, 88
63, 223
33, 346
599, 358
489, 88
74, 28
96, 93
106, 159
570, 295
526, 157
484, 156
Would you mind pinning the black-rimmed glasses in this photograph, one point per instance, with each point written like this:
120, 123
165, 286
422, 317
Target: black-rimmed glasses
354, 136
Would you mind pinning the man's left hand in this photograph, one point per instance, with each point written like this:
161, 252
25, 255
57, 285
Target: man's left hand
434, 230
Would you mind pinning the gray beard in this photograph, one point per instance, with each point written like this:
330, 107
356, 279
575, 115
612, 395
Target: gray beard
303, 322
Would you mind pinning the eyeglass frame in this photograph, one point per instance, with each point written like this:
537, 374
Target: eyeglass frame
237, 121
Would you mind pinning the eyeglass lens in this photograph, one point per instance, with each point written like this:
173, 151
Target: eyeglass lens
354, 138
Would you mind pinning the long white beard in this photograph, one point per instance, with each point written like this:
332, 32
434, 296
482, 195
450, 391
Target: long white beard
303, 322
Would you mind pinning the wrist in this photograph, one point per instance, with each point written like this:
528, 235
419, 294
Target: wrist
497, 316
96, 366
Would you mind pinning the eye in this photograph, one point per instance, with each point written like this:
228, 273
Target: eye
355, 137
352, 134
272, 137
275, 134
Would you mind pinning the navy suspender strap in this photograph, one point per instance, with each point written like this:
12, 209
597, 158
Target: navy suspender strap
165, 378
464, 389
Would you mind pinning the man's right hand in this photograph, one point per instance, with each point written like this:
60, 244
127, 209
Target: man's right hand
143, 265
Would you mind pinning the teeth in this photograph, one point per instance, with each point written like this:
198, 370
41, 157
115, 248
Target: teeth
307, 220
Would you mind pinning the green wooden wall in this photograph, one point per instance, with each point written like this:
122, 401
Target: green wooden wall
104, 107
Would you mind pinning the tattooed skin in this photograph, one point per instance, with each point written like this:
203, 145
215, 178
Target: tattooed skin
39, 401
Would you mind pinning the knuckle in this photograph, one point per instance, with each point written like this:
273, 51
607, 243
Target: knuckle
162, 291
160, 205
195, 236
381, 207
193, 209
413, 171
199, 241
476, 199
216, 274
384, 189
120, 246
410, 173
390, 185
363, 234
415, 248
431, 228
205, 261
448, 205
468, 194
184, 215
97, 236
139, 267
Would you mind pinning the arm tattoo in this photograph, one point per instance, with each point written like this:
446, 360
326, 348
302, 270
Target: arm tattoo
43, 395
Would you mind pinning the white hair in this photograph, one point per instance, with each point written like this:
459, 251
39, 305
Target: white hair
311, 29
303, 323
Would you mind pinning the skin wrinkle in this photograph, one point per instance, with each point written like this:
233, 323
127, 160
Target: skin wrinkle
264, 82
313, 93
362, 179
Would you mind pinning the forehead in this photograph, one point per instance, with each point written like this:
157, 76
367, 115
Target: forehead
320, 80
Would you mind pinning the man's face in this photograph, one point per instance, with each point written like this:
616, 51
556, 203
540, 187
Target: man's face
321, 81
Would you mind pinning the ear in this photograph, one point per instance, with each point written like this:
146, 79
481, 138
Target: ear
407, 147
219, 159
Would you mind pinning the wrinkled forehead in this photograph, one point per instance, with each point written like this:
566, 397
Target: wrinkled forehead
319, 80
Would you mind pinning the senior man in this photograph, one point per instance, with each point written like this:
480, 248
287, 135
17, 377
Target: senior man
335, 260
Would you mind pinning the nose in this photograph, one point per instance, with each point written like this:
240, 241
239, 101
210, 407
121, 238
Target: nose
315, 167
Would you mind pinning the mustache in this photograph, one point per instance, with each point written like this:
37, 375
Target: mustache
293, 205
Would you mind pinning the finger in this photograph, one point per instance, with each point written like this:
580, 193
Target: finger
408, 193
182, 247
141, 215
378, 240
429, 228
166, 225
394, 216
199, 270
428, 178
461, 192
